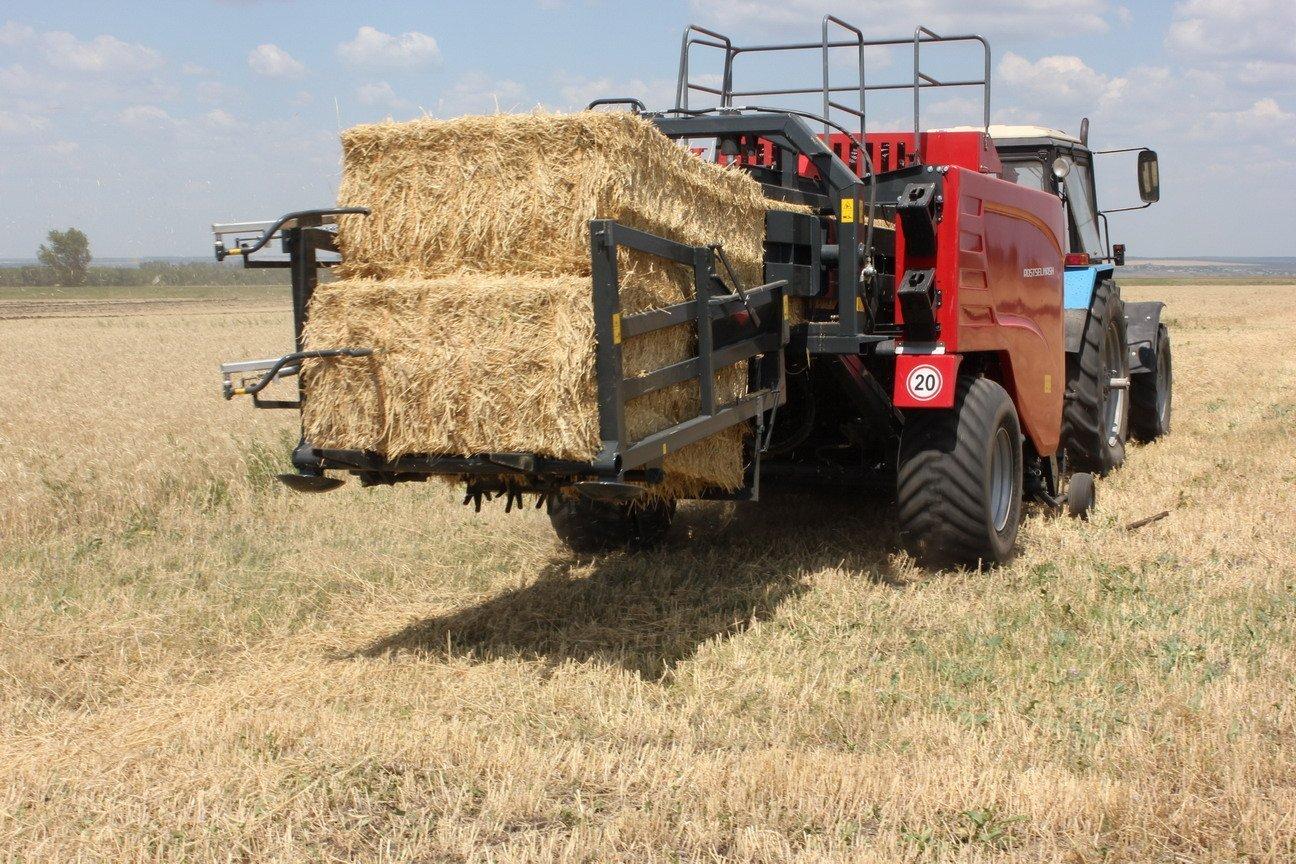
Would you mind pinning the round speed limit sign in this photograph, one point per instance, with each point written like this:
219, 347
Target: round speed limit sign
924, 382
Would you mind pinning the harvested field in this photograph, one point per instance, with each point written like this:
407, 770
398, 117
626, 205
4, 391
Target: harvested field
471, 279
197, 666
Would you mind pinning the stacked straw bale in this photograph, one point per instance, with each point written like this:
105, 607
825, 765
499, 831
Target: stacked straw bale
472, 278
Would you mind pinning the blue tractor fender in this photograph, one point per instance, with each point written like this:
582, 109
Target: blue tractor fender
1142, 320
1078, 284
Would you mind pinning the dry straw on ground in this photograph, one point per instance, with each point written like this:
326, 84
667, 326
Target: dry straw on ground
472, 278
198, 666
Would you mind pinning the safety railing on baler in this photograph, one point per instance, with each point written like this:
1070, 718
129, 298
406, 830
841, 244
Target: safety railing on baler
733, 324
725, 93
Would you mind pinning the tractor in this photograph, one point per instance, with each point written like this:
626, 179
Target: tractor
963, 345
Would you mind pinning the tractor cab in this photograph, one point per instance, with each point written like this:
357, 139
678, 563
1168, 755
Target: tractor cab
1063, 164
1119, 348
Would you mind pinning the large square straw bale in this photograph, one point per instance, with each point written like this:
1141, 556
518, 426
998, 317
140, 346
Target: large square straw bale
472, 278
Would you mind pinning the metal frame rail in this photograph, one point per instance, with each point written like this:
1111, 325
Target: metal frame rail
695, 35
612, 327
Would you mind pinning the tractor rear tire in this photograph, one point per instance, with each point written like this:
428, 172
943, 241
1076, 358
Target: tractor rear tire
1095, 416
589, 527
1150, 394
959, 486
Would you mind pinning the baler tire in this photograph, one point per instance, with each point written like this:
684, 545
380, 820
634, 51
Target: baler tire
590, 527
954, 507
1086, 433
1080, 495
1151, 392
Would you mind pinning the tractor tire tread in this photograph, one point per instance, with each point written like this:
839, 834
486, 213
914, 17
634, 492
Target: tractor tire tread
1083, 435
1146, 423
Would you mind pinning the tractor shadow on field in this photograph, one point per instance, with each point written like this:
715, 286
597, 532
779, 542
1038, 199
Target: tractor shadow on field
723, 568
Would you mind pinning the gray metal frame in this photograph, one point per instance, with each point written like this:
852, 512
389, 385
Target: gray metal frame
695, 35
733, 324
792, 137
612, 327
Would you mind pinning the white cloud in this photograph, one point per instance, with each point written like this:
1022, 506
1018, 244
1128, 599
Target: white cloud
15, 124
655, 94
380, 93
101, 55
194, 69
274, 62
13, 34
220, 119
144, 117
63, 148
1251, 29
478, 93
371, 48
1264, 121
1061, 79
995, 17
1248, 43
215, 91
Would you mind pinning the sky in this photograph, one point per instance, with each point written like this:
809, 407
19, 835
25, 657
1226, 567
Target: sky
142, 123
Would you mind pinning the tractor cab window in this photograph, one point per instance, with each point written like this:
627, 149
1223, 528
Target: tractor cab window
1029, 173
1083, 215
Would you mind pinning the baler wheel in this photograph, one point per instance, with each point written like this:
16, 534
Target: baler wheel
589, 526
1080, 496
960, 480
1150, 394
1095, 416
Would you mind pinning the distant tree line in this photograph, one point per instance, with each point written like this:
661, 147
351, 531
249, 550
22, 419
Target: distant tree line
147, 273
65, 262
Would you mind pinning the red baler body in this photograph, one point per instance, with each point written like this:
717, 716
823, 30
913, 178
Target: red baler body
999, 264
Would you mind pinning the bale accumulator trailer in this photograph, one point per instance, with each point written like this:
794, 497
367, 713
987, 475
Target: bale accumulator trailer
960, 334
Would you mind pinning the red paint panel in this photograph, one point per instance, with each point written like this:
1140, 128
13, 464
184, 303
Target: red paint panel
926, 380
1024, 234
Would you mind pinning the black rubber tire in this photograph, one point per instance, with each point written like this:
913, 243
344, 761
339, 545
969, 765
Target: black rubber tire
1080, 495
946, 485
589, 527
1149, 414
1085, 433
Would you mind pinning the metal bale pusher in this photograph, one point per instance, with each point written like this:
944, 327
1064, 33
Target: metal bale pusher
965, 346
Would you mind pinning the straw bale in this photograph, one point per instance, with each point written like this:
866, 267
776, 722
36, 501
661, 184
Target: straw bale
472, 278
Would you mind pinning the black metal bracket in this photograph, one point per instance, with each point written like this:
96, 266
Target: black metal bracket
919, 300
635, 106
916, 207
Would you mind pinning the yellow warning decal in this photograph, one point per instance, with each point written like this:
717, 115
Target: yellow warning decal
787, 308
848, 210
663, 448
859, 304
616, 328
1048, 383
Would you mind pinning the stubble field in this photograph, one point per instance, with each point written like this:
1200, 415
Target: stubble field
198, 666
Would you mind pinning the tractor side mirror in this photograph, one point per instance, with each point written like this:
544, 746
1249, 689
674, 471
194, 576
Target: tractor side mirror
1118, 254
1149, 177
